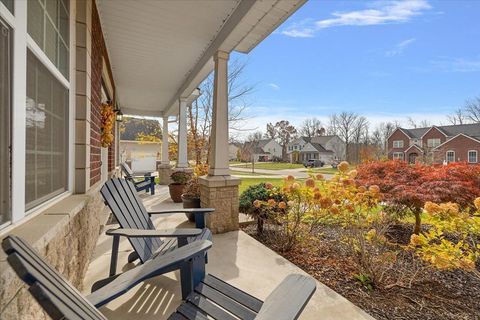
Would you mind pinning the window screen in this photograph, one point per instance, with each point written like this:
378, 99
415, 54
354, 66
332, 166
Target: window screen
46, 135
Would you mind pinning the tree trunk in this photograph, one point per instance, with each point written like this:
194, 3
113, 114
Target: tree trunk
418, 222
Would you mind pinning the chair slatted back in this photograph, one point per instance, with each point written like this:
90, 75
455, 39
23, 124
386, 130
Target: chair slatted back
51, 290
124, 202
126, 169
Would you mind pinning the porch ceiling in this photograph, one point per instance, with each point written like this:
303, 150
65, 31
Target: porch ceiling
162, 50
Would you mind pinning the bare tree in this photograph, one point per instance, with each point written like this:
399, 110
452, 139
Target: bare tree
418, 124
284, 133
457, 117
343, 125
200, 113
311, 127
271, 132
379, 137
472, 110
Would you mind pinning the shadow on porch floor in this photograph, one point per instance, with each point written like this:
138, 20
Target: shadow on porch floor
235, 257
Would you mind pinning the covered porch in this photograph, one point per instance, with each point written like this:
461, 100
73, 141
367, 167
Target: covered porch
235, 257
160, 51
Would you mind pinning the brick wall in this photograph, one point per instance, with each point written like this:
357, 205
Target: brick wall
460, 145
99, 53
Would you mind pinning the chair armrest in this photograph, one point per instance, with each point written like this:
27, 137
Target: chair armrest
288, 299
149, 269
165, 233
194, 210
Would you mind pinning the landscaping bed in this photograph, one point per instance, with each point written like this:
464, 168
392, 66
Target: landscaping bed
399, 241
432, 295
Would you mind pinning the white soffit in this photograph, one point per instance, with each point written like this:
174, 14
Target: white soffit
161, 50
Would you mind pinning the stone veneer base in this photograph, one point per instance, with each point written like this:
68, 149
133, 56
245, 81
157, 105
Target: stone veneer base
65, 234
221, 193
164, 172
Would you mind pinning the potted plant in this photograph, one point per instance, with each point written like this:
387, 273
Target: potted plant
191, 197
179, 180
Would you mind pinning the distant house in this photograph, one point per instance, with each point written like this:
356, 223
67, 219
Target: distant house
325, 148
261, 150
233, 151
436, 144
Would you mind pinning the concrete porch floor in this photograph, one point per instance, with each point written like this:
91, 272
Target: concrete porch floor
234, 257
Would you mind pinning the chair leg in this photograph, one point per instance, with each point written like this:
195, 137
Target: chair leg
114, 257
192, 273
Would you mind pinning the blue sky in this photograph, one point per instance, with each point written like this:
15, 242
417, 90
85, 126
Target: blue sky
383, 59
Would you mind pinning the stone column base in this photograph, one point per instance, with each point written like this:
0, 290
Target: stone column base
164, 172
221, 193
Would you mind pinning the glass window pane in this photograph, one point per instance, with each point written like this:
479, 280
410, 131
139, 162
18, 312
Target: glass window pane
47, 134
48, 25
5, 106
50, 42
8, 4
35, 23
63, 25
52, 10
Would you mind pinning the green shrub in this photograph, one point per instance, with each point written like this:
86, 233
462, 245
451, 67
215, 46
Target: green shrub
262, 193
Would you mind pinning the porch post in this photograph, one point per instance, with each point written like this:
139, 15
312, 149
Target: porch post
182, 161
164, 169
218, 189
165, 159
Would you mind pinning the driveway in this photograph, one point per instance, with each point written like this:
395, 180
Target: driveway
299, 173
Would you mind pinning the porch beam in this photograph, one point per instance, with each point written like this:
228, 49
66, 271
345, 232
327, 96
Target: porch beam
202, 68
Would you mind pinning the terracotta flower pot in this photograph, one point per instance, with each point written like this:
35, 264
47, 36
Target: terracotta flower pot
189, 203
176, 191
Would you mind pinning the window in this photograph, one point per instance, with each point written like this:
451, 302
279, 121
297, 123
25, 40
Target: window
48, 25
398, 155
472, 156
5, 108
8, 4
432, 143
450, 156
46, 172
398, 143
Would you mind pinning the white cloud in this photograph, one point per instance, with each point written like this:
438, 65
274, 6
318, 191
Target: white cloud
380, 12
456, 64
399, 48
274, 86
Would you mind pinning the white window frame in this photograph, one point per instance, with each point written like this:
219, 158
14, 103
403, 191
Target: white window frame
446, 156
433, 145
21, 42
395, 156
476, 156
398, 144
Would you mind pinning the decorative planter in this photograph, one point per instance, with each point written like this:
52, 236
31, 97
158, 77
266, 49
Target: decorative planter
189, 203
176, 191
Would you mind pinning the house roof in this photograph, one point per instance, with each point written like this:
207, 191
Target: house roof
322, 139
471, 129
262, 143
319, 148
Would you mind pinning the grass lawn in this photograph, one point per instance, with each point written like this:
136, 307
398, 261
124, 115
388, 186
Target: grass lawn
247, 182
324, 170
272, 165
243, 173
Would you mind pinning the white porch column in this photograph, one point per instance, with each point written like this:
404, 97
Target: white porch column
218, 189
164, 168
165, 158
182, 161
218, 154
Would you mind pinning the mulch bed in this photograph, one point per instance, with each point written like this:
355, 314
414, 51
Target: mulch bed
432, 295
